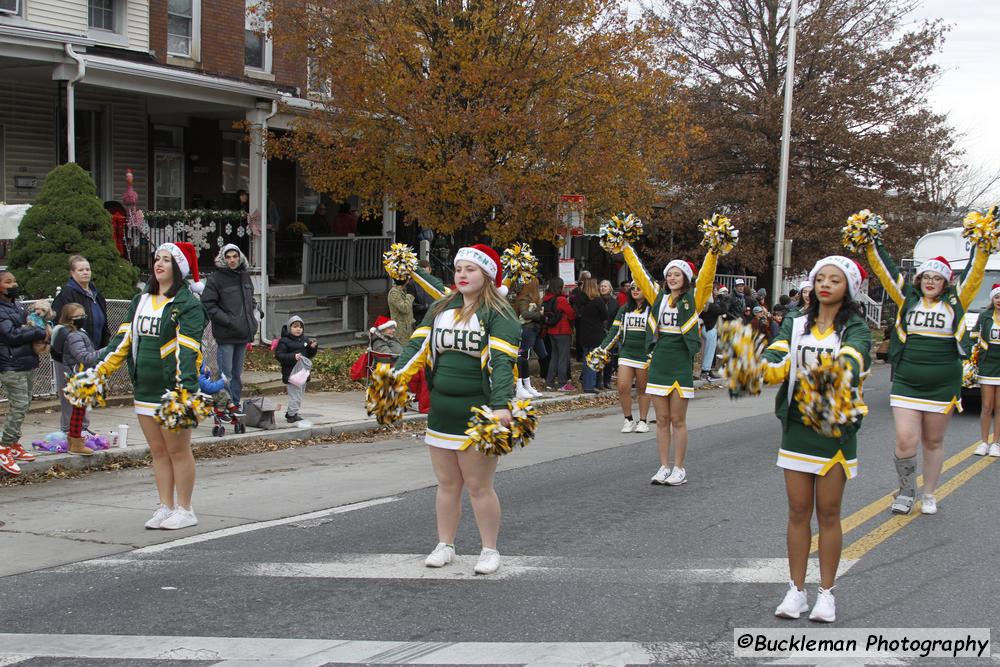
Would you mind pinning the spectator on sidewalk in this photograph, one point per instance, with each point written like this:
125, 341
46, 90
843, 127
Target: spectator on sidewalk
80, 289
293, 347
77, 353
611, 303
228, 300
166, 316
740, 301
592, 315
401, 308
528, 308
384, 339
710, 333
17, 361
558, 316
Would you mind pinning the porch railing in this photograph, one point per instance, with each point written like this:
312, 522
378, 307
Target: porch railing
340, 258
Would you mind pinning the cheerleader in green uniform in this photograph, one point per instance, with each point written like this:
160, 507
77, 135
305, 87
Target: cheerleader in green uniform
817, 467
673, 338
628, 331
926, 348
988, 327
161, 333
468, 344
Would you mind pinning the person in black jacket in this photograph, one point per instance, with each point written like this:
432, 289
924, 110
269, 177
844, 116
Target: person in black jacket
228, 299
293, 347
591, 317
710, 334
79, 289
611, 303
17, 361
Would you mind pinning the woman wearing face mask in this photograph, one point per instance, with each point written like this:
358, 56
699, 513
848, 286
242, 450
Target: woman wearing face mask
673, 338
817, 467
926, 348
988, 327
78, 354
469, 343
82, 290
161, 342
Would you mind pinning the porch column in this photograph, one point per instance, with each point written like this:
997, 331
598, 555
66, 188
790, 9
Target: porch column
258, 186
388, 216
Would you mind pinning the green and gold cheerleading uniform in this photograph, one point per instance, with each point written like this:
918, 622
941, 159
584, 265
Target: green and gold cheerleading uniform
466, 364
156, 331
628, 331
929, 338
673, 330
794, 350
988, 326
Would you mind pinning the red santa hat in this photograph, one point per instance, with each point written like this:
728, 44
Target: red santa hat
187, 261
855, 273
487, 259
382, 323
994, 290
937, 265
684, 266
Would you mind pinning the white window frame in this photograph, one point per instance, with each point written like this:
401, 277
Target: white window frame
17, 11
195, 40
241, 142
117, 35
167, 152
250, 26
321, 89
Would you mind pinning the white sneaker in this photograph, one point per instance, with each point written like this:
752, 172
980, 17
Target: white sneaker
795, 604
825, 609
995, 449
628, 426
641, 427
531, 389
928, 504
489, 562
661, 475
982, 449
179, 518
677, 477
161, 513
521, 392
441, 556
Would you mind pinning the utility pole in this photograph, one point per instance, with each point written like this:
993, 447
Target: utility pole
786, 131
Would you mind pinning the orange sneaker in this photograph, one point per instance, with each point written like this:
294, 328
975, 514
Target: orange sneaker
7, 462
19, 453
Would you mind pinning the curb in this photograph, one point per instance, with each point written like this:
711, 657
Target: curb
102, 457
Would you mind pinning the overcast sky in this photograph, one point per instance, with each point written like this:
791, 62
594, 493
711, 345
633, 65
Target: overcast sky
969, 89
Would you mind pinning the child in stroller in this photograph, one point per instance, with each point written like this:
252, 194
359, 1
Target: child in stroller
224, 411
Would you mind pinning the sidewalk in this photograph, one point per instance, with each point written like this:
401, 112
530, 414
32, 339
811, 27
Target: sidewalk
325, 413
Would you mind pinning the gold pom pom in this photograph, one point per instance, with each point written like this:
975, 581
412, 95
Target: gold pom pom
519, 263
970, 368
387, 397
719, 234
981, 230
181, 409
742, 358
861, 230
491, 438
621, 230
826, 398
86, 389
399, 261
598, 358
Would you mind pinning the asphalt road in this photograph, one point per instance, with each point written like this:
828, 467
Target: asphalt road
599, 566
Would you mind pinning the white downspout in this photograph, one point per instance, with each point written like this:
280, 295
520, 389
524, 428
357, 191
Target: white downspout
81, 69
263, 228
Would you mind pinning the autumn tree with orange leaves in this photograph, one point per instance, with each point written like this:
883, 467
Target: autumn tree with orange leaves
478, 114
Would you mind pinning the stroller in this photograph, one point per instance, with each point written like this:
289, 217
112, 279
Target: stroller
363, 367
224, 411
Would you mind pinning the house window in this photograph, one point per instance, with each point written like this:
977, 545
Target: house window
257, 44
318, 84
10, 8
235, 163
168, 189
101, 14
183, 19
93, 146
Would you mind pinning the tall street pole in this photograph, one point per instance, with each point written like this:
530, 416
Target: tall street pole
786, 131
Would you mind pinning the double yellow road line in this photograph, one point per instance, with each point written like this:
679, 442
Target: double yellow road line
897, 522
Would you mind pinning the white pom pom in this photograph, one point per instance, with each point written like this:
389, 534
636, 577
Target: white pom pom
198, 287
503, 290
